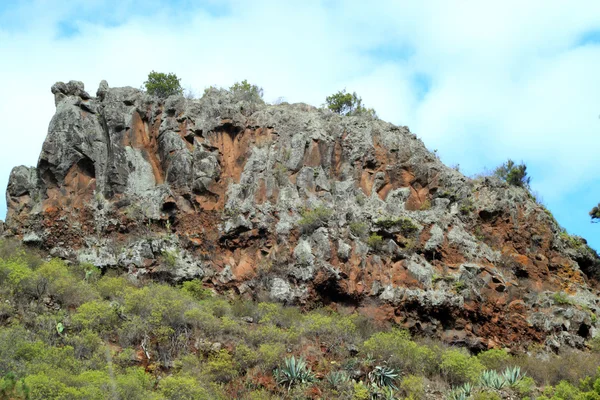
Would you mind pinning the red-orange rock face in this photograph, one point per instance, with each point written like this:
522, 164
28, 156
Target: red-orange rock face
299, 205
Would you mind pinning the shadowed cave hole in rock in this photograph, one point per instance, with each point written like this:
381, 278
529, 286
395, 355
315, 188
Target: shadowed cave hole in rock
86, 166
330, 292
584, 331
488, 216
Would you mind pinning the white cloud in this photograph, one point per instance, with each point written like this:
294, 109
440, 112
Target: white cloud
506, 78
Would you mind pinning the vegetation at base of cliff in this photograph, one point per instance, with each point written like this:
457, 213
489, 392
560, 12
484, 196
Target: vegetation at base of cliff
163, 85
71, 332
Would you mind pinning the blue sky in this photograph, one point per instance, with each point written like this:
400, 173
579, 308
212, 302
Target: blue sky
478, 81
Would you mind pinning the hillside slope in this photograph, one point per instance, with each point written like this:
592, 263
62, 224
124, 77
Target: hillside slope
300, 205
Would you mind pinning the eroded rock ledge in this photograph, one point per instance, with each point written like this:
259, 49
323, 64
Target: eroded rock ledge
300, 205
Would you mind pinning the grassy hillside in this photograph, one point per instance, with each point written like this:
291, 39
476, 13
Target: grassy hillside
70, 332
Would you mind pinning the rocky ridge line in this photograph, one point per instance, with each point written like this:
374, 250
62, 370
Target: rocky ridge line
300, 205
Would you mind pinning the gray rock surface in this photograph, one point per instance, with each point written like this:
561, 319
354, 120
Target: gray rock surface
297, 204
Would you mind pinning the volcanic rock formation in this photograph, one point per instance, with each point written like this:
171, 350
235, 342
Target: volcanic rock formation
300, 205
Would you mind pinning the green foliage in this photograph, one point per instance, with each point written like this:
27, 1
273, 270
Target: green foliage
361, 392
170, 256
163, 85
565, 391
561, 298
459, 367
220, 367
182, 388
359, 228
396, 348
118, 340
247, 91
492, 380
512, 375
312, 219
11, 388
595, 212
494, 358
525, 386
347, 104
335, 379
467, 207
572, 241
513, 174
195, 289
375, 241
413, 387
405, 225
486, 395
295, 371
383, 376
96, 315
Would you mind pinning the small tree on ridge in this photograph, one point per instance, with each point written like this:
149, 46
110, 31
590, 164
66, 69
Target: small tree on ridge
163, 85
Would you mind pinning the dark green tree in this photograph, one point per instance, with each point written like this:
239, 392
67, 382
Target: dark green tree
513, 174
347, 104
163, 85
595, 213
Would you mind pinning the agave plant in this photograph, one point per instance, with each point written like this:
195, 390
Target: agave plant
491, 379
467, 388
337, 378
381, 393
512, 375
460, 393
294, 371
383, 377
457, 394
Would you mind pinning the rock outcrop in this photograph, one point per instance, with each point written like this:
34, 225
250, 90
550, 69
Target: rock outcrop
298, 204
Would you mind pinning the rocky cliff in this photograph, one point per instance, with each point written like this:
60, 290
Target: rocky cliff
301, 205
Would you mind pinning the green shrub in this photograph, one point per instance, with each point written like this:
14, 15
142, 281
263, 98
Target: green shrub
526, 386
396, 348
405, 225
170, 257
270, 354
361, 392
595, 212
312, 219
182, 388
220, 367
486, 395
245, 357
112, 288
96, 315
459, 367
494, 358
561, 298
163, 85
375, 241
413, 387
565, 391
347, 104
359, 229
247, 91
11, 388
195, 289
513, 174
